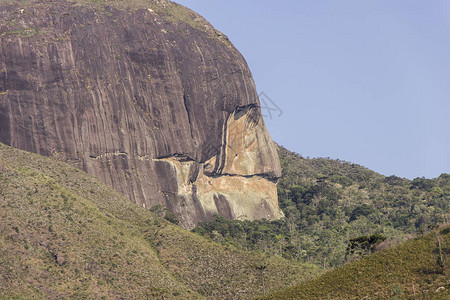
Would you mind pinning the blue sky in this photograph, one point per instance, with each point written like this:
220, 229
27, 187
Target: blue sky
363, 81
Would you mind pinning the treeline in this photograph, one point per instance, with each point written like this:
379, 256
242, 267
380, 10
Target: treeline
329, 203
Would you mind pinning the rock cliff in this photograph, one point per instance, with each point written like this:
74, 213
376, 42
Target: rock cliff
146, 96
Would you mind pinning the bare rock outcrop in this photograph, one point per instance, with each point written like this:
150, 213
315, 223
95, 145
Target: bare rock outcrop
148, 97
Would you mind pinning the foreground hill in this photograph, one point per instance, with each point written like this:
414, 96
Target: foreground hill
329, 202
63, 233
419, 268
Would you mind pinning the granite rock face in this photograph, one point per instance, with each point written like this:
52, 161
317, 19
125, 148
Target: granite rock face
149, 98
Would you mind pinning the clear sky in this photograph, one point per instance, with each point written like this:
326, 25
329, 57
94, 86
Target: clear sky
363, 81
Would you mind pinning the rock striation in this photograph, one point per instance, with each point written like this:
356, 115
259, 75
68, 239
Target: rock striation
147, 96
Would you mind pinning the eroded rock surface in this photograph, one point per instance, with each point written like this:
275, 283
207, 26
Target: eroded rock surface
152, 100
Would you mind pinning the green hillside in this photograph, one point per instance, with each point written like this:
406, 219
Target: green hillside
327, 203
63, 234
419, 269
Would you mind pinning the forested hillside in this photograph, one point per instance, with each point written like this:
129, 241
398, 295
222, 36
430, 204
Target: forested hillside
336, 211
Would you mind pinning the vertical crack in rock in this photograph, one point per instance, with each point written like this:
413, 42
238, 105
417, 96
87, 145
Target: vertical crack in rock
186, 107
220, 160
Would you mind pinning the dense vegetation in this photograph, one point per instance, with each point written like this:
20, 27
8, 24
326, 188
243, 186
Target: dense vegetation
64, 234
417, 269
330, 203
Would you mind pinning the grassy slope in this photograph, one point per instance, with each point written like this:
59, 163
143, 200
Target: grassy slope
218, 271
404, 271
65, 234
